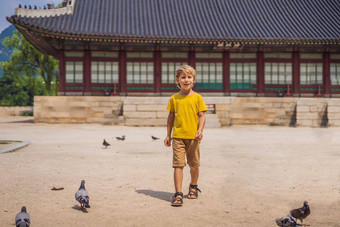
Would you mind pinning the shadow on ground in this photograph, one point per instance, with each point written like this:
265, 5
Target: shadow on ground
166, 196
77, 207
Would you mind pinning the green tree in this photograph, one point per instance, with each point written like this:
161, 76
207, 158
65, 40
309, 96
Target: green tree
27, 61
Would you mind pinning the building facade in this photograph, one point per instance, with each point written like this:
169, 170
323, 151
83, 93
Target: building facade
238, 48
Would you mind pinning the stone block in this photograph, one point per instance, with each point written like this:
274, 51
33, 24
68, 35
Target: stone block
145, 122
334, 122
140, 114
129, 107
304, 123
333, 109
334, 102
307, 116
162, 114
333, 115
302, 109
149, 101
222, 107
153, 107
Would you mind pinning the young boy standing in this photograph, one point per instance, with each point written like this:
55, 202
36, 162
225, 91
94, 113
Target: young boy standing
186, 117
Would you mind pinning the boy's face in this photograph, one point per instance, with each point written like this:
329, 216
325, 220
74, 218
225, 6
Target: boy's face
185, 81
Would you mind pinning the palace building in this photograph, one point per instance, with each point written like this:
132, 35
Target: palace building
238, 47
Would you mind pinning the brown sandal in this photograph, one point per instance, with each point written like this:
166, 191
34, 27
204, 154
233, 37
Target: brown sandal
176, 201
193, 191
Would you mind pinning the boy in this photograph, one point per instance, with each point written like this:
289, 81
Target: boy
186, 116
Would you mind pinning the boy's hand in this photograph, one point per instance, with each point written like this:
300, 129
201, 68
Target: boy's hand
198, 136
167, 141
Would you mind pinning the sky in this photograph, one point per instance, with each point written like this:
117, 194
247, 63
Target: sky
7, 8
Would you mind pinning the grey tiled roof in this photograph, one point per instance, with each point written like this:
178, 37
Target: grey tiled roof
198, 19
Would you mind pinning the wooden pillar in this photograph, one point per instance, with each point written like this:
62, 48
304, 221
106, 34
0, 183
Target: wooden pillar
62, 75
122, 71
191, 59
260, 74
226, 72
157, 71
87, 72
326, 74
296, 73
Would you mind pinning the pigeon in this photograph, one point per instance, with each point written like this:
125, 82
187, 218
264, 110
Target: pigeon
22, 219
105, 143
287, 221
121, 138
19, 5
82, 196
30, 7
301, 213
35, 7
154, 138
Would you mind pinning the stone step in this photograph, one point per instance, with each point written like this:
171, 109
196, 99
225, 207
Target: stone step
211, 121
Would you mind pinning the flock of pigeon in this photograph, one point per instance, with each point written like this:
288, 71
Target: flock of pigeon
122, 138
23, 219
299, 213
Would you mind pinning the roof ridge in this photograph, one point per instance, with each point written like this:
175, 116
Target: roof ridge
68, 9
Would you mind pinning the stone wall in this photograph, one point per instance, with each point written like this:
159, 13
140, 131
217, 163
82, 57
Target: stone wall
15, 110
145, 111
151, 111
78, 109
262, 111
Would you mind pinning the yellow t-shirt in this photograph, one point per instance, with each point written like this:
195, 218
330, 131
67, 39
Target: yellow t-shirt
186, 109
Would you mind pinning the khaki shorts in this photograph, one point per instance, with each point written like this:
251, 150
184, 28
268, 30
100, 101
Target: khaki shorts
188, 147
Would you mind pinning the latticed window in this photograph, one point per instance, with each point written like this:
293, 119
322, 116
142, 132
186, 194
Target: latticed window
311, 73
140, 72
335, 73
242, 75
169, 71
104, 72
278, 73
209, 75
74, 72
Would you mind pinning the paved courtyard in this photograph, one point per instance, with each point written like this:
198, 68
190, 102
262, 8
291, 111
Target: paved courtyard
250, 175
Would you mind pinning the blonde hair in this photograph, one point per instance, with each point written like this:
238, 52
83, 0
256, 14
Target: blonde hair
186, 69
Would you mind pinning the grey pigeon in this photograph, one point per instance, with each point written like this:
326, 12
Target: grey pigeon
121, 138
82, 196
105, 143
154, 138
22, 219
301, 213
287, 221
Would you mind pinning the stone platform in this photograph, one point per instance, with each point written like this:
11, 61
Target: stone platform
151, 111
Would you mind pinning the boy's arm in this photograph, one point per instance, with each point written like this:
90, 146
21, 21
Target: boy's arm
201, 123
170, 124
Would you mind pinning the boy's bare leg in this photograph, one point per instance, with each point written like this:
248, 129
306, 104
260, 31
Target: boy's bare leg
194, 172
178, 178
